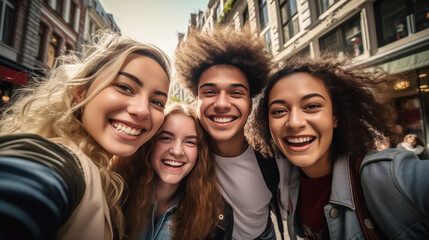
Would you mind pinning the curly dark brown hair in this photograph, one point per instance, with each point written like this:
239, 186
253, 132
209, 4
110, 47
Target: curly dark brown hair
223, 45
361, 119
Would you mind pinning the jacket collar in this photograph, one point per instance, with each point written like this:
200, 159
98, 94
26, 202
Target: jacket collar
341, 190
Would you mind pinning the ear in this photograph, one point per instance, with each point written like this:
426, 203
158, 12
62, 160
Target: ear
80, 94
335, 122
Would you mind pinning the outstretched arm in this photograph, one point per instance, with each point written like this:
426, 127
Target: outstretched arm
40, 185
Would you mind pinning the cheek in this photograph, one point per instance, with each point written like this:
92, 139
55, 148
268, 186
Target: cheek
275, 128
157, 119
192, 156
155, 156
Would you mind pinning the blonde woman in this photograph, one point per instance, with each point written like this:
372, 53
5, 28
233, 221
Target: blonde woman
58, 137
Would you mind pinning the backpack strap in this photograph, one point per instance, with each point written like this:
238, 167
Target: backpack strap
367, 223
270, 172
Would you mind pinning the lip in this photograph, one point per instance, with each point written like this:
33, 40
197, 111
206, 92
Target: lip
170, 166
299, 143
222, 119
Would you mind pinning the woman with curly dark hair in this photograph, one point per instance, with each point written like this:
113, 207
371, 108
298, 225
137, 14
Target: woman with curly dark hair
322, 116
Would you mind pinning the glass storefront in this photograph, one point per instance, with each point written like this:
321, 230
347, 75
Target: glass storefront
410, 98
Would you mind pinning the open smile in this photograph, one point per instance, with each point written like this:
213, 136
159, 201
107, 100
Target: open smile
223, 119
172, 163
299, 143
127, 130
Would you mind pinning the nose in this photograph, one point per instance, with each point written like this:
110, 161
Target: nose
222, 103
296, 119
177, 149
139, 108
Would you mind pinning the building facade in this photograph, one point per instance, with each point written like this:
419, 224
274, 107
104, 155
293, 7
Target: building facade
391, 34
34, 32
96, 18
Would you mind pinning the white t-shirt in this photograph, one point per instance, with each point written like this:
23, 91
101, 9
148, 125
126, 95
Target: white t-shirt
243, 187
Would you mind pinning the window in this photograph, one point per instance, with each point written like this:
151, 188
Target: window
5, 92
68, 48
267, 37
245, 16
7, 13
263, 13
344, 40
40, 42
72, 13
323, 5
218, 12
397, 19
305, 52
289, 18
59, 7
52, 50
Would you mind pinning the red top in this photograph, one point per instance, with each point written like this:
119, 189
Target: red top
313, 196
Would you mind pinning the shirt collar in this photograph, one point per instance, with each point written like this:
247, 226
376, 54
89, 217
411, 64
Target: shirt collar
341, 190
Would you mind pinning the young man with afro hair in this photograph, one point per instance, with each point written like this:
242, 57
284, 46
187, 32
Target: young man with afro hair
225, 68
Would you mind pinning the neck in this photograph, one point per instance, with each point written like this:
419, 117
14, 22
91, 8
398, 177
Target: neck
319, 169
231, 148
165, 196
165, 193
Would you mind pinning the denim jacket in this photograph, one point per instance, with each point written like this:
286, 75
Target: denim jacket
399, 203
391, 179
162, 229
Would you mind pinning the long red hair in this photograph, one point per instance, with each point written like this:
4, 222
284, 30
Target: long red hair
200, 201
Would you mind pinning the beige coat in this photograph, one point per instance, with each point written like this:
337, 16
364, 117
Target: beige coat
91, 219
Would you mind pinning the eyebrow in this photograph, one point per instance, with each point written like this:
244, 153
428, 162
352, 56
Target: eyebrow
303, 98
172, 134
140, 83
132, 77
232, 85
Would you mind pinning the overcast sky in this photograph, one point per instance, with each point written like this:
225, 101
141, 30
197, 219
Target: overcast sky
154, 21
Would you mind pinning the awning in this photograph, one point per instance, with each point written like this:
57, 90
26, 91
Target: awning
13, 76
409, 62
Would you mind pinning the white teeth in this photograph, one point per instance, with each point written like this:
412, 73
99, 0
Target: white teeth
299, 140
126, 129
222, 120
173, 163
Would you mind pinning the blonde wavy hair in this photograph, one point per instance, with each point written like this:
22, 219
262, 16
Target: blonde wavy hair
200, 201
47, 106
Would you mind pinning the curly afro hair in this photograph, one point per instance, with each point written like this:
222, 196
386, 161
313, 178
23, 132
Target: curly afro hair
223, 45
361, 119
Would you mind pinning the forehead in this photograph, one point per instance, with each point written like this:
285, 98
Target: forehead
146, 70
179, 123
298, 85
223, 75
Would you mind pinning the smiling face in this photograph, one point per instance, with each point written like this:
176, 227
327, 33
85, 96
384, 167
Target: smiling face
410, 140
129, 110
301, 122
175, 152
224, 104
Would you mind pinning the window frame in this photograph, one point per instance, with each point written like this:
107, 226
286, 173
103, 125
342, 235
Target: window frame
405, 20
339, 33
291, 21
7, 23
263, 13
